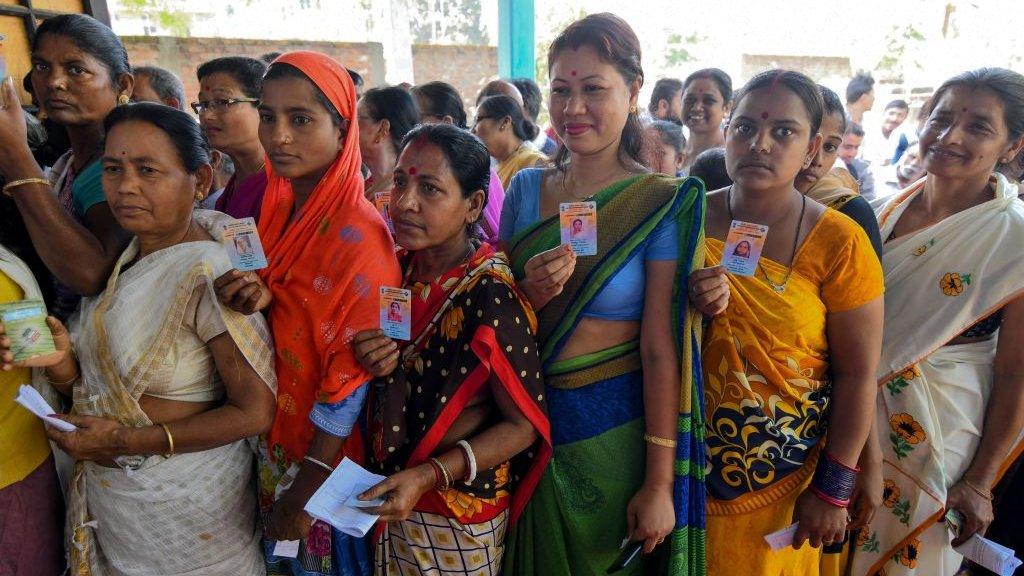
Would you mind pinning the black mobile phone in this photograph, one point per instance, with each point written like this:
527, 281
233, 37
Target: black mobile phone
629, 553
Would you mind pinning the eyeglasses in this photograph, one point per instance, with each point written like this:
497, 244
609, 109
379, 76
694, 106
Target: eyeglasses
482, 118
219, 105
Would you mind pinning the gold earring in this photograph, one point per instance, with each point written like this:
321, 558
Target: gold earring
632, 109
200, 196
41, 115
123, 99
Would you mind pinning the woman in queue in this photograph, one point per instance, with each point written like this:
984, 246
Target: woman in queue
455, 408
80, 73
617, 348
329, 253
707, 100
440, 102
505, 130
167, 384
792, 338
385, 116
663, 148
951, 391
229, 89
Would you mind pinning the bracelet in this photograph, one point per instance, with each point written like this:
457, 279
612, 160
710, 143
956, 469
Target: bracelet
467, 451
444, 472
438, 475
986, 494
170, 441
319, 463
834, 481
23, 182
658, 441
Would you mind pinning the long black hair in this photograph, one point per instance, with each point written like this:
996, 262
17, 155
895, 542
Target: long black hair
396, 106
440, 99
499, 107
616, 44
183, 131
92, 37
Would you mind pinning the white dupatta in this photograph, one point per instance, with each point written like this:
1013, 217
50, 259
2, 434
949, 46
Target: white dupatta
932, 397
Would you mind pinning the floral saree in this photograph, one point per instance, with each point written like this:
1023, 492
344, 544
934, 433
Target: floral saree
471, 329
576, 520
932, 397
767, 390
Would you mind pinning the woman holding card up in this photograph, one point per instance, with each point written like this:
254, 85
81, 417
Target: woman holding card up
329, 253
167, 383
785, 346
457, 414
617, 347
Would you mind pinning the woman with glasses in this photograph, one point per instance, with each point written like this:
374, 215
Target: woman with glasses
228, 93
503, 127
80, 72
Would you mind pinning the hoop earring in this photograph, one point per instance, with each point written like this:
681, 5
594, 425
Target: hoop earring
123, 99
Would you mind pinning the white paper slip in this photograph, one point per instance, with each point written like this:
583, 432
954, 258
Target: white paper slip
986, 553
783, 538
330, 502
286, 548
357, 503
30, 398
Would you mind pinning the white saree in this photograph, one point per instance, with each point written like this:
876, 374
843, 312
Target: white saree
932, 398
193, 513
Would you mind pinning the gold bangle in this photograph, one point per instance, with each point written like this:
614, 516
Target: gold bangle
658, 441
986, 494
62, 384
444, 472
170, 441
24, 181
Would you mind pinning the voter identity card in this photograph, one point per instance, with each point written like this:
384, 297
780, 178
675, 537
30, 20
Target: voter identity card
243, 245
382, 201
579, 226
396, 312
743, 247
25, 325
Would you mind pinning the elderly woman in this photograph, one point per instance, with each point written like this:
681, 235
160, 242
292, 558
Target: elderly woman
504, 128
330, 253
457, 406
951, 391
167, 383
80, 73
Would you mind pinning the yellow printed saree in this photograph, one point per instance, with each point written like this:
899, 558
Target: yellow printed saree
932, 397
767, 393
523, 157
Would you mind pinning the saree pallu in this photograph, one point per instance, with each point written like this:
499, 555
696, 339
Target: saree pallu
767, 391
471, 330
932, 397
523, 157
575, 522
191, 513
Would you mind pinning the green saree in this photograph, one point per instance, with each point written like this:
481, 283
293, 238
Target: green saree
575, 521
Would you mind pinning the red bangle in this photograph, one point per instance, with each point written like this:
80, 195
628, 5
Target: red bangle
438, 475
829, 499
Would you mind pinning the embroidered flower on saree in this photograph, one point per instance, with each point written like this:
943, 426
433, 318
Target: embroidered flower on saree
909, 554
953, 284
906, 433
902, 380
867, 542
890, 494
924, 248
464, 505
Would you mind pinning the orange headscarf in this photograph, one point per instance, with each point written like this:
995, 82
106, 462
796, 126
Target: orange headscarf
325, 270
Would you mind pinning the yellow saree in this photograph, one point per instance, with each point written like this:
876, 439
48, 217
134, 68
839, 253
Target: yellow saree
523, 157
767, 393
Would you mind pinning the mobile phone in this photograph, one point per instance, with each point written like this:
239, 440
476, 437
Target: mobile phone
629, 553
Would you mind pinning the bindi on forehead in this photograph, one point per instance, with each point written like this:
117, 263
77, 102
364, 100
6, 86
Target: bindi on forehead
764, 115
412, 171
573, 73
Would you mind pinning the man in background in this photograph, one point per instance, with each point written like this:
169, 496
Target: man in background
155, 84
667, 100
532, 101
858, 168
860, 97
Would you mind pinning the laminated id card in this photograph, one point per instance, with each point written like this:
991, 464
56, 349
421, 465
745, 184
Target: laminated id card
382, 201
243, 245
578, 221
396, 312
25, 325
743, 247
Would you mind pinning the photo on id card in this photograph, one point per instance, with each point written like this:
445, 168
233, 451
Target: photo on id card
578, 221
242, 242
743, 247
396, 312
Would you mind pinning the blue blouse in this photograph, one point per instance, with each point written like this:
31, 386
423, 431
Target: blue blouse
622, 298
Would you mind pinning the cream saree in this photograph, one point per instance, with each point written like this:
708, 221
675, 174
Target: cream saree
932, 397
193, 513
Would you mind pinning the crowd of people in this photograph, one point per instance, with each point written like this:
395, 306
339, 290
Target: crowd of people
647, 403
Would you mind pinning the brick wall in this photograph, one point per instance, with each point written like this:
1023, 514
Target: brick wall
184, 55
467, 68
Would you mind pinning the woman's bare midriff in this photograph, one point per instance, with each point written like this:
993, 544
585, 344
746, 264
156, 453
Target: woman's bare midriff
164, 411
594, 334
